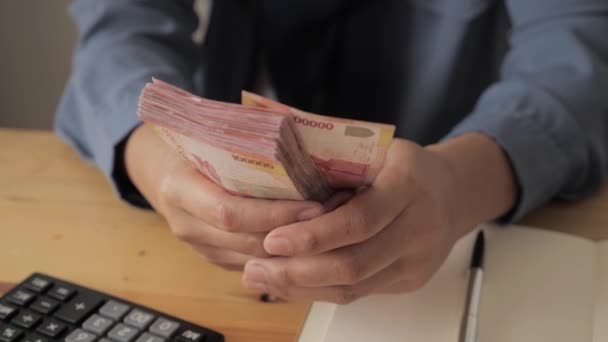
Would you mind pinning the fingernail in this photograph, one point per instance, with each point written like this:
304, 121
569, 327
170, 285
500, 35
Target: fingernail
310, 213
278, 246
255, 274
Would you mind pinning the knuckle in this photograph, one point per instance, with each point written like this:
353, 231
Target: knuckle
356, 222
216, 257
182, 232
276, 218
349, 270
226, 216
426, 239
208, 254
310, 241
401, 268
284, 278
417, 282
345, 295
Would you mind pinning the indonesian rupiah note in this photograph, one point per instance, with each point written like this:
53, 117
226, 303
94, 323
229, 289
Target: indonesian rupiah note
265, 149
349, 152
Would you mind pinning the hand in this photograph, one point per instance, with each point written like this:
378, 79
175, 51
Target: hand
227, 230
392, 236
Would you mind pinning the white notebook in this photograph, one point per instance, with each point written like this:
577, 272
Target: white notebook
539, 286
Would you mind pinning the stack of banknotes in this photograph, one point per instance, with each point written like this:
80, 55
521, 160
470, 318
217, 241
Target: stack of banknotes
265, 149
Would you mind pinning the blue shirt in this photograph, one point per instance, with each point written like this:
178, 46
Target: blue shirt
533, 75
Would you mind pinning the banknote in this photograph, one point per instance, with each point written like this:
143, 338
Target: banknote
350, 153
248, 152
264, 149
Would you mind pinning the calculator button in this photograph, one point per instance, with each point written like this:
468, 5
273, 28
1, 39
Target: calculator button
191, 336
44, 305
138, 318
97, 324
6, 311
26, 319
123, 333
35, 338
80, 335
51, 327
103, 339
114, 310
9, 333
81, 305
38, 284
147, 337
21, 297
164, 327
62, 293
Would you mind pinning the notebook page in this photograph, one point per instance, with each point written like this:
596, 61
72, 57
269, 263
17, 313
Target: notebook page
431, 314
538, 287
600, 326
317, 322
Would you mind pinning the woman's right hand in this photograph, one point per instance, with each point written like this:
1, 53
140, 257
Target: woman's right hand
227, 230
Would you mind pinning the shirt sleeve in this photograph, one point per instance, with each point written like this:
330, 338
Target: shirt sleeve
549, 110
122, 45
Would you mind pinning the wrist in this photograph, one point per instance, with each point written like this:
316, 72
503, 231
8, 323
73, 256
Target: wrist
147, 160
483, 182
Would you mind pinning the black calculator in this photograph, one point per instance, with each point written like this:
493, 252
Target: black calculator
47, 309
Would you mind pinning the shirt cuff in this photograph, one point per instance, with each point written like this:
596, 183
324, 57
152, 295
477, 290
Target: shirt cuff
529, 125
99, 133
122, 182
101, 143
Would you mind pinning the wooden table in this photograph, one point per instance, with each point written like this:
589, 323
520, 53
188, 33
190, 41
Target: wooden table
59, 216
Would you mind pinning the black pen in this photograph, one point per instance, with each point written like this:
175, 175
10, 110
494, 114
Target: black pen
468, 330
